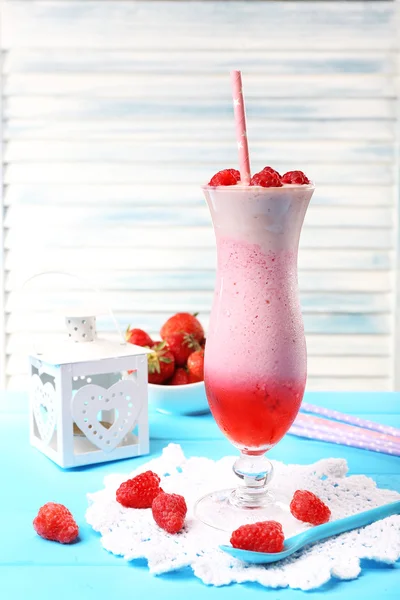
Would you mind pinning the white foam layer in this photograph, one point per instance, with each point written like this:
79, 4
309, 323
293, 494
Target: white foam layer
269, 217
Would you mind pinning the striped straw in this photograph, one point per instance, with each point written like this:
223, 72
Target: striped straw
240, 123
347, 434
336, 438
351, 419
313, 422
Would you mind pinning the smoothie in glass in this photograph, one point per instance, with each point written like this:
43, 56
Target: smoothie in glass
256, 361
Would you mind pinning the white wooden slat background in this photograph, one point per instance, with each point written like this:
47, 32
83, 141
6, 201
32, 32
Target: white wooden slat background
115, 112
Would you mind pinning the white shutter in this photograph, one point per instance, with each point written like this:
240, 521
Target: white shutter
116, 111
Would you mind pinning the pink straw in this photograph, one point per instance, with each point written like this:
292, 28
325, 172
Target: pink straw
339, 438
240, 123
351, 419
320, 424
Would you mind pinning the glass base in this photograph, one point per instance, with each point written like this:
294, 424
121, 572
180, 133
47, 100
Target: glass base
222, 510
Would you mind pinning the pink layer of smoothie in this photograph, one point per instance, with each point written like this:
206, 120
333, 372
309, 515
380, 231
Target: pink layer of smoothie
255, 365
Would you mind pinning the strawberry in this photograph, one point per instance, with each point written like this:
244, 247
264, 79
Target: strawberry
180, 377
183, 322
161, 363
138, 337
181, 345
195, 365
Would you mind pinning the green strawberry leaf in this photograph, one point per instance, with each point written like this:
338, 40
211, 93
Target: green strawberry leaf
190, 341
153, 363
160, 346
165, 359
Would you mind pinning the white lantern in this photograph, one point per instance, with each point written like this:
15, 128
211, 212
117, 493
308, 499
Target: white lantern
84, 408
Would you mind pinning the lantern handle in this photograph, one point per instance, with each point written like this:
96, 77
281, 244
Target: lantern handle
87, 285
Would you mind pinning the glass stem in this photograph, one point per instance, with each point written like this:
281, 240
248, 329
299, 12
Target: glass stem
255, 473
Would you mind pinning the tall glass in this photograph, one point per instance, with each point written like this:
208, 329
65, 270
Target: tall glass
256, 359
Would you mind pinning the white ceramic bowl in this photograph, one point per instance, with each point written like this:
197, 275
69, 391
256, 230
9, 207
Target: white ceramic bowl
187, 399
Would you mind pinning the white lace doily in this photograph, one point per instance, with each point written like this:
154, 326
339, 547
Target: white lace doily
133, 533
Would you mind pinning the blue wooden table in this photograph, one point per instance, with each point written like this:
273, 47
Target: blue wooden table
37, 569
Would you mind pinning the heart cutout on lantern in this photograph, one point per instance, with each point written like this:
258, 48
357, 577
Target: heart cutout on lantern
43, 407
92, 400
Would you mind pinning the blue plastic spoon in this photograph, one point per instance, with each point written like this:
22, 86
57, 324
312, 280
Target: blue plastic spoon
316, 534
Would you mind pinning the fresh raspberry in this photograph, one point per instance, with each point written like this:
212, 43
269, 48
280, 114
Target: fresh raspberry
296, 177
266, 178
138, 337
307, 507
195, 365
180, 377
140, 491
181, 345
169, 512
55, 522
183, 322
270, 170
225, 177
265, 536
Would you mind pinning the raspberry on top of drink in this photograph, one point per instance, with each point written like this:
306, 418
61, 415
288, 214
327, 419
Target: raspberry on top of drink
267, 177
